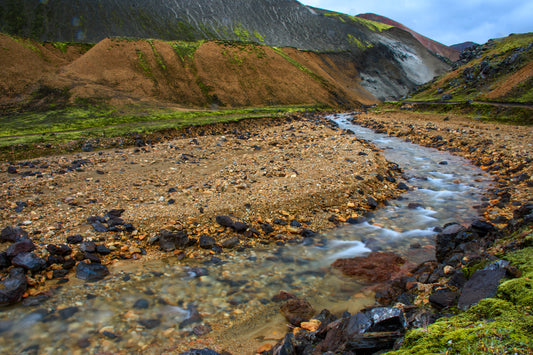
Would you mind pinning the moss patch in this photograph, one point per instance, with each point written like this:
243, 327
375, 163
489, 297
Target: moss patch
501, 325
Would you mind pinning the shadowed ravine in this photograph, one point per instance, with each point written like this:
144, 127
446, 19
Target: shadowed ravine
159, 303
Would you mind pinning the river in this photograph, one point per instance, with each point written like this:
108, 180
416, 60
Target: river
158, 302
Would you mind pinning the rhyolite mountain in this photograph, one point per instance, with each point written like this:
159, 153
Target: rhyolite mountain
434, 46
384, 61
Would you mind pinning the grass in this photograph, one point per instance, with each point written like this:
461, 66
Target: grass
478, 111
24, 132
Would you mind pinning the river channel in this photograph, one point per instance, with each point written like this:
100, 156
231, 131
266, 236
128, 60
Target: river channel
140, 308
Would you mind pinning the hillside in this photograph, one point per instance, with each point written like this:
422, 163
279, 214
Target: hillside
434, 46
188, 74
499, 71
388, 60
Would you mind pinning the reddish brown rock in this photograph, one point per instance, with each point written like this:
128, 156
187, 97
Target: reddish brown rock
297, 311
375, 267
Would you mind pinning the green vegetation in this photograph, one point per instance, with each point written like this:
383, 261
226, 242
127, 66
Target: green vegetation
486, 78
242, 33
476, 110
363, 46
300, 66
145, 66
259, 37
186, 50
372, 25
501, 325
157, 56
21, 133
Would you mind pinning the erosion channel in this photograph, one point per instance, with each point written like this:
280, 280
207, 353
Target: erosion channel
230, 301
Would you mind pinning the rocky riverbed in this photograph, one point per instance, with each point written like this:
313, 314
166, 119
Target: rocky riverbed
207, 191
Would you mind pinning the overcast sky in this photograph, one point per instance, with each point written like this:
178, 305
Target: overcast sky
446, 21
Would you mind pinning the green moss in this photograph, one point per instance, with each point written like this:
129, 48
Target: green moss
20, 133
141, 59
185, 50
259, 37
157, 56
500, 325
241, 32
363, 46
372, 25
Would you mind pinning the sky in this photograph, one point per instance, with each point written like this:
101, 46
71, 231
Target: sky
445, 21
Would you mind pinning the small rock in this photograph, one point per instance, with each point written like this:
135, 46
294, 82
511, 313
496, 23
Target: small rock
61, 249
74, 239
68, 312
13, 234
91, 272
206, 242
224, 221
141, 304
11, 169
88, 246
230, 243
150, 323
29, 261
297, 311
24, 246
13, 287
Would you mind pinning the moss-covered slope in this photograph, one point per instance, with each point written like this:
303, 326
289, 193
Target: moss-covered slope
499, 71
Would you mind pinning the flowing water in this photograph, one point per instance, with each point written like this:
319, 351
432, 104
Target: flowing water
108, 316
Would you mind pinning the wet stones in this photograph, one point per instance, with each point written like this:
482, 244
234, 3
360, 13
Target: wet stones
24, 246
206, 242
12, 234
226, 221
91, 272
29, 261
169, 241
375, 267
13, 287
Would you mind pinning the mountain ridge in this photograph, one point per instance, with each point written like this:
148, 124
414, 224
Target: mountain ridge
387, 62
434, 46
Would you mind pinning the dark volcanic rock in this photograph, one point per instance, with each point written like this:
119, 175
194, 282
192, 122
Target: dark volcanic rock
12, 234
24, 246
297, 311
74, 239
482, 284
4, 260
443, 299
13, 287
29, 261
141, 304
91, 272
88, 246
150, 323
375, 267
225, 221
372, 202
206, 242
169, 241
62, 249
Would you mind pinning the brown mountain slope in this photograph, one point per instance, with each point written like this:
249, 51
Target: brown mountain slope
430, 44
188, 74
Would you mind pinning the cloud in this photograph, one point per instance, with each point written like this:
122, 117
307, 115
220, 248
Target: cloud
449, 22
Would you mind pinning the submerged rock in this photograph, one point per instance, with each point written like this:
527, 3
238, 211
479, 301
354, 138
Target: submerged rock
375, 267
297, 311
91, 272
